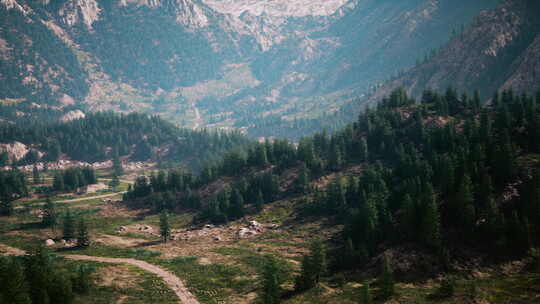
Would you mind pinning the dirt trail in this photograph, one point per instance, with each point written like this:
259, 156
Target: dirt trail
8, 250
170, 279
90, 197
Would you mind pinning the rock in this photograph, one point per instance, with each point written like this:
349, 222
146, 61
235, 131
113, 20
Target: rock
49, 242
272, 226
72, 115
254, 224
245, 232
63, 242
120, 229
145, 228
217, 238
208, 226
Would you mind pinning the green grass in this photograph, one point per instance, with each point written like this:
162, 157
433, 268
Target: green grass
212, 283
98, 249
278, 213
148, 289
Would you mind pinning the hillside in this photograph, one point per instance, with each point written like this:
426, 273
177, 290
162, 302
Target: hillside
224, 64
499, 50
445, 187
433, 202
104, 136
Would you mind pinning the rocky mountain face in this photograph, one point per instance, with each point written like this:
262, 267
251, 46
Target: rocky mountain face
499, 50
216, 63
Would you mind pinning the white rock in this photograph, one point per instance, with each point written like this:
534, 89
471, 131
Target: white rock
49, 242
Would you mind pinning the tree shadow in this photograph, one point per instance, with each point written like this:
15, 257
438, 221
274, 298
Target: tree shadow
146, 244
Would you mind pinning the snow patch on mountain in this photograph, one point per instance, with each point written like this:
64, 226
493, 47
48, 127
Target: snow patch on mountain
277, 8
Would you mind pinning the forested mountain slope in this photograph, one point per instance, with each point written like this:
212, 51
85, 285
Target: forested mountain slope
445, 174
499, 50
231, 64
106, 135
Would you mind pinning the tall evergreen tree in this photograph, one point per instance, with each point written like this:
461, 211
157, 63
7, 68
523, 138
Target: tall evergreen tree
431, 225
387, 279
365, 294
68, 226
83, 237
13, 286
49, 216
35, 175
271, 282
259, 201
164, 228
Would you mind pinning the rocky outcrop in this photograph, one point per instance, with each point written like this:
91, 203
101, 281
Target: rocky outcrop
173, 57
525, 69
15, 150
80, 11
72, 115
499, 50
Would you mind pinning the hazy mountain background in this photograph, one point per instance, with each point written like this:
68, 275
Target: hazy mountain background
228, 64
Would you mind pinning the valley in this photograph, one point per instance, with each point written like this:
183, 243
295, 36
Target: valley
269, 151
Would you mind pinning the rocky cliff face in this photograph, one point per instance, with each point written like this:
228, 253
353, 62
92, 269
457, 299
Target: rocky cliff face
499, 50
222, 63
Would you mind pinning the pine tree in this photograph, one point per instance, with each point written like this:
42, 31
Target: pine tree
271, 282
365, 294
387, 280
364, 150
409, 217
115, 181
464, 208
236, 209
49, 218
313, 267
68, 226
6, 208
83, 237
35, 175
164, 228
259, 201
431, 225
38, 272
58, 182
349, 254
117, 167
13, 286
302, 182
83, 281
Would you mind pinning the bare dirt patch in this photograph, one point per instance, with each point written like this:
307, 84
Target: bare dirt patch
7, 250
113, 240
116, 209
118, 275
96, 187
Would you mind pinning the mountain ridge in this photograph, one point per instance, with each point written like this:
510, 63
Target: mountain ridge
235, 65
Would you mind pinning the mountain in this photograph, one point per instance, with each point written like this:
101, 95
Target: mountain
499, 50
215, 63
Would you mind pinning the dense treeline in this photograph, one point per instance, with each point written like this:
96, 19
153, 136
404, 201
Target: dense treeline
101, 136
40, 278
436, 171
13, 186
73, 178
432, 172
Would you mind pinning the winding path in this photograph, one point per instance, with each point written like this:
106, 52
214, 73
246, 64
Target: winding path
169, 278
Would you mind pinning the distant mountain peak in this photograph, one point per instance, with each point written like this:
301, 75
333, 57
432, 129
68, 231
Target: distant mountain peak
277, 8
